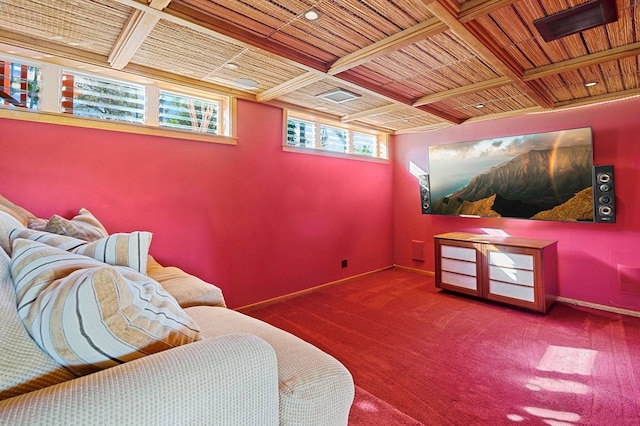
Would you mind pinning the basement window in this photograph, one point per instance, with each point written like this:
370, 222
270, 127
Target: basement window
91, 96
315, 135
20, 85
187, 113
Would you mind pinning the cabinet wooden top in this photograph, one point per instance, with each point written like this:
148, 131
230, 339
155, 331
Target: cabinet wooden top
496, 239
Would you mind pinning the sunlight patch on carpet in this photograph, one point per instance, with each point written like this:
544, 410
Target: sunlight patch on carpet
568, 360
557, 385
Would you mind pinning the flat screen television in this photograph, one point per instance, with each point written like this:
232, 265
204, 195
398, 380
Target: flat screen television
541, 176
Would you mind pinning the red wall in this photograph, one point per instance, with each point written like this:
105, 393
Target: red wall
588, 253
255, 220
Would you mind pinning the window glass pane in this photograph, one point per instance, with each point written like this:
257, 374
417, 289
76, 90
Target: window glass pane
333, 139
186, 113
20, 85
300, 133
94, 97
364, 143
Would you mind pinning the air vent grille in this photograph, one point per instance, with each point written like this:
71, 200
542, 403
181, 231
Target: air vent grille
339, 96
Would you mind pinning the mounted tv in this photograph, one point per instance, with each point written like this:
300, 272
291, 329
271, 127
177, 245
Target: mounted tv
542, 176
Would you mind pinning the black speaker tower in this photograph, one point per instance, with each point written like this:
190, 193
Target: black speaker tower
425, 194
604, 196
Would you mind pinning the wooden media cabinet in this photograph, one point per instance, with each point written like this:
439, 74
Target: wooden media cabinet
517, 271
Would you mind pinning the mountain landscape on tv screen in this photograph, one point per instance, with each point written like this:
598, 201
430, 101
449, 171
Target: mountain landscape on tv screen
550, 184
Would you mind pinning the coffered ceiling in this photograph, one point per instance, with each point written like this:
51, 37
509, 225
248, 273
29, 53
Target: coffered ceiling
413, 64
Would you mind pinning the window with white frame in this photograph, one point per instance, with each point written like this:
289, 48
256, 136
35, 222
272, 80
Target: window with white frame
98, 97
188, 113
20, 84
308, 132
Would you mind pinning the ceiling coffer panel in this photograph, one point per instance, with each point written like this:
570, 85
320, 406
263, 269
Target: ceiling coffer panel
174, 48
499, 100
308, 96
343, 26
68, 22
265, 70
184, 51
402, 118
441, 63
610, 77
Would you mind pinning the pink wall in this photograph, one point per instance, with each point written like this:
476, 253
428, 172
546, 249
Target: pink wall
255, 220
588, 253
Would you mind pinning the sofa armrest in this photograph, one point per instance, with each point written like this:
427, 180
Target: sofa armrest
227, 380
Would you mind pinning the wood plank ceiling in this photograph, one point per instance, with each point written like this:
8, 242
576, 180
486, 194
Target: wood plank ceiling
417, 65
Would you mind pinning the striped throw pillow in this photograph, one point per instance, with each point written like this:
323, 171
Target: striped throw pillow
130, 250
89, 316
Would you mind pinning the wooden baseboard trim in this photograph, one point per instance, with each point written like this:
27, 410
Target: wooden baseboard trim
418, 271
598, 306
305, 291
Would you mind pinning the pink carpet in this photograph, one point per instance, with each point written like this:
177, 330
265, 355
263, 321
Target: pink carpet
368, 410
444, 359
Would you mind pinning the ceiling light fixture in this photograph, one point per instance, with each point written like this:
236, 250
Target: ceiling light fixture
245, 83
231, 66
480, 106
311, 15
591, 83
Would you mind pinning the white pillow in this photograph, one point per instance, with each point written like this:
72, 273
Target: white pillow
89, 316
129, 250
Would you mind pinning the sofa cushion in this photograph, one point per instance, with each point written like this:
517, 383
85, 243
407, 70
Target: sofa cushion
315, 388
89, 316
24, 367
187, 289
130, 250
84, 226
16, 211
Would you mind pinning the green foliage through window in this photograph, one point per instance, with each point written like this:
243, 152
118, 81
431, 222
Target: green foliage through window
93, 97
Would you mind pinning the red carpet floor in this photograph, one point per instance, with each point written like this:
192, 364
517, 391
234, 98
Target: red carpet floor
445, 359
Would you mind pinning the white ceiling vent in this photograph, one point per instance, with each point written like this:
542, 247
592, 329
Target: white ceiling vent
339, 96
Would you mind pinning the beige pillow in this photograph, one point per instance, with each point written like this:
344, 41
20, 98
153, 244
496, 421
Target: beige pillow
37, 223
187, 289
15, 210
130, 250
89, 316
84, 226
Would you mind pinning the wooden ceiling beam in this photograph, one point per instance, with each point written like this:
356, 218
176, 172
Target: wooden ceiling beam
475, 37
464, 90
299, 82
419, 32
473, 9
371, 112
247, 38
583, 61
135, 32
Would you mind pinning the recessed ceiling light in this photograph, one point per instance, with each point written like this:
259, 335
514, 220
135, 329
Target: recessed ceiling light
480, 106
245, 83
231, 66
591, 83
311, 15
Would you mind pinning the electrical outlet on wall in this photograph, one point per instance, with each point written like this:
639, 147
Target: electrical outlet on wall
344, 263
